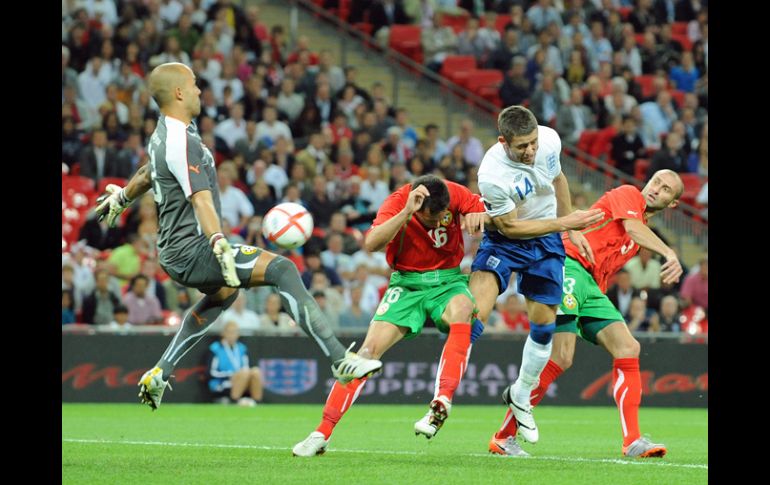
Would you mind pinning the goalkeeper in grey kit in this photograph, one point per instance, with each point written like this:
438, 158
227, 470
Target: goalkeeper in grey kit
193, 250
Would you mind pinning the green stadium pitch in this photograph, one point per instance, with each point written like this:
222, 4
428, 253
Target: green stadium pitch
373, 444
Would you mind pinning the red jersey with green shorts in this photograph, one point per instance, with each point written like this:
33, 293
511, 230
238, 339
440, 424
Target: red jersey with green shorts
422, 249
611, 244
585, 309
426, 262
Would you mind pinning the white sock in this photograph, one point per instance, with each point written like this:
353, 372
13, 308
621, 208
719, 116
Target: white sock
534, 359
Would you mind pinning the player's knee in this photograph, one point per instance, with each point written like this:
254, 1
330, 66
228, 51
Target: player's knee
629, 348
241, 374
279, 268
541, 334
460, 309
563, 357
255, 373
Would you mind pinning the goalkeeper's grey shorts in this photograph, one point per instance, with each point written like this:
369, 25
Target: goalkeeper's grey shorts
203, 272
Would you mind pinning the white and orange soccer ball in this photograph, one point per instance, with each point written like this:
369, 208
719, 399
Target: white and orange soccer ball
287, 225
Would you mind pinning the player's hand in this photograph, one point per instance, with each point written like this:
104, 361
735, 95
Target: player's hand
473, 222
224, 253
581, 219
416, 198
112, 204
671, 270
580, 241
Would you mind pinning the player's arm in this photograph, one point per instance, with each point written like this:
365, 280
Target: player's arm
503, 212
472, 210
564, 208
139, 184
203, 205
380, 235
644, 237
117, 199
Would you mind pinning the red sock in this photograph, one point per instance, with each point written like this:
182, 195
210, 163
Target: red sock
339, 401
454, 359
551, 372
627, 391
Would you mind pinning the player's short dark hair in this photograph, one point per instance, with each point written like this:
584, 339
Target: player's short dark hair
516, 121
439, 193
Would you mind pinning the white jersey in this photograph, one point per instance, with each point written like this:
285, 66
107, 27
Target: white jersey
507, 185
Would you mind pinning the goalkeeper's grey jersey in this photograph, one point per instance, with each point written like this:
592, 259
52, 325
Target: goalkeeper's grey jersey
180, 165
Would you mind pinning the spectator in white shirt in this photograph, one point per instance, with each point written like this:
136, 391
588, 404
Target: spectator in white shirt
374, 189
236, 207
271, 128
234, 128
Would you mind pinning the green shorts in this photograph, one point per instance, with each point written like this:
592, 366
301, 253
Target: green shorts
584, 309
413, 296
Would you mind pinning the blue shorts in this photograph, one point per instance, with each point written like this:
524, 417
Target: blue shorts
538, 263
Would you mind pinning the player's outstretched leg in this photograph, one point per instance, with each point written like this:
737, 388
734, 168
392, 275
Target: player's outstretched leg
510, 427
341, 397
298, 302
452, 365
537, 351
194, 325
453, 361
627, 389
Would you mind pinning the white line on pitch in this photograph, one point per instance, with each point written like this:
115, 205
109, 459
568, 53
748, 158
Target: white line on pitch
380, 452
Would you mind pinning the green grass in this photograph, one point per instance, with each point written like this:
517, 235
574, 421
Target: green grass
212, 444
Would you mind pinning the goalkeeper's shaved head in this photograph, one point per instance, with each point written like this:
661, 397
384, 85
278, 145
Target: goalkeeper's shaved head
172, 85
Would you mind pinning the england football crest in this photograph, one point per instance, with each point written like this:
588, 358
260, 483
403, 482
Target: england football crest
289, 377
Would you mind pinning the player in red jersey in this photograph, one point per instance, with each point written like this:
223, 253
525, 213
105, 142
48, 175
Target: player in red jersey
586, 311
420, 226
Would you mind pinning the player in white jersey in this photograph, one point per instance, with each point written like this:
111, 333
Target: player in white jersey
528, 202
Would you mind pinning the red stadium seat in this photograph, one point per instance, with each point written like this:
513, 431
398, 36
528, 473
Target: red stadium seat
458, 68
78, 184
625, 12
684, 40
486, 84
406, 40
678, 97
585, 141
692, 185
457, 22
602, 145
110, 180
645, 82
679, 28
501, 21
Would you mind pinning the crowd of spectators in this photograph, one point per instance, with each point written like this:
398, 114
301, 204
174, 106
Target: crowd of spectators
285, 123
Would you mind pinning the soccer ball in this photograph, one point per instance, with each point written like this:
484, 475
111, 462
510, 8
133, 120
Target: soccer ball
287, 225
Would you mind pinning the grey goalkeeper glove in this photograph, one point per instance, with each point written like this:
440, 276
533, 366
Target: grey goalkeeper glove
112, 204
224, 253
